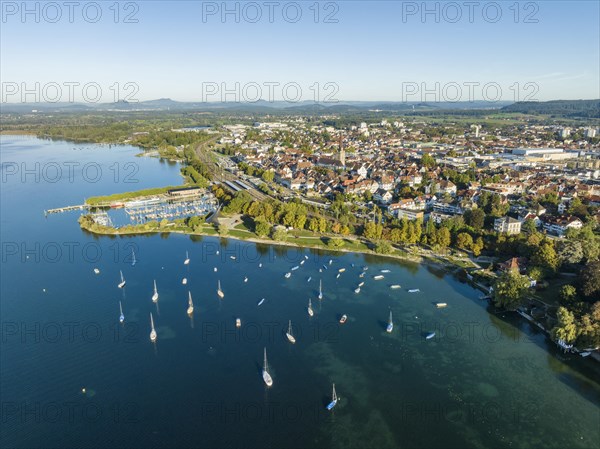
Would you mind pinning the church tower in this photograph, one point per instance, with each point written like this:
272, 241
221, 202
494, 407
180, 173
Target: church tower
342, 153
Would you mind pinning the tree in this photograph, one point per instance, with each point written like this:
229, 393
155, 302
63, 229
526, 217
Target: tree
589, 279
545, 257
261, 228
475, 218
443, 237
536, 273
529, 226
464, 241
383, 247
588, 331
568, 294
223, 229
566, 328
372, 230
477, 246
268, 176
570, 251
510, 289
279, 234
335, 243
313, 225
427, 160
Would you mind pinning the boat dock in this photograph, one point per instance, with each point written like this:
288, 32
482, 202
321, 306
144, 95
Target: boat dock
66, 209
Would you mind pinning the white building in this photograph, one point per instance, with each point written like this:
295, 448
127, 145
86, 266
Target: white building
507, 225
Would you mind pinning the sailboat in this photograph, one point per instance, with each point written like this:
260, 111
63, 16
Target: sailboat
287, 275
155, 295
190, 309
390, 326
184, 281
121, 316
153, 331
245, 278
122, 283
265, 373
289, 334
357, 290
261, 301
219, 291
133, 261
96, 270
187, 259
320, 289
334, 400
310, 309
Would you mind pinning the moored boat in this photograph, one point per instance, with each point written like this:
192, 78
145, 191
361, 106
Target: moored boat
334, 400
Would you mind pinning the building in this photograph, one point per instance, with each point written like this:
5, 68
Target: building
550, 154
507, 225
409, 214
186, 191
560, 225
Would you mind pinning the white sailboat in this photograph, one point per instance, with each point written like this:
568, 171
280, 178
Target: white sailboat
96, 270
184, 281
320, 289
122, 283
289, 334
357, 290
155, 295
265, 373
153, 331
414, 290
287, 275
390, 326
133, 261
310, 309
261, 301
219, 291
245, 279
121, 316
334, 400
187, 259
190, 309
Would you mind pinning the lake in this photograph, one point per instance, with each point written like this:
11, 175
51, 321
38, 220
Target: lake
71, 375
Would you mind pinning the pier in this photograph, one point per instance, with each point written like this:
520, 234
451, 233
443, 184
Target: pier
66, 209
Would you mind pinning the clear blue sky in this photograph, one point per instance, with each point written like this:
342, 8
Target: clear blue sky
369, 53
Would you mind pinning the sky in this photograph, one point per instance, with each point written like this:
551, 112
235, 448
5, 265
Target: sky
306, 50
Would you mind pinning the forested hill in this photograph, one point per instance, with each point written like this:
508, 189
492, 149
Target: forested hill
563, 108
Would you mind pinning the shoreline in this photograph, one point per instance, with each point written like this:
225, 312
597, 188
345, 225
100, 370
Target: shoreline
417, 259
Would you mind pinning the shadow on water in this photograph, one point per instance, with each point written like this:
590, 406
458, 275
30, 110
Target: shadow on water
571, 369
382, 324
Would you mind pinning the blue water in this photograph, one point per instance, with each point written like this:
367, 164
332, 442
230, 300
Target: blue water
485, 380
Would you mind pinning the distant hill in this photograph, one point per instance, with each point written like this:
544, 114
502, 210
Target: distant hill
562, 108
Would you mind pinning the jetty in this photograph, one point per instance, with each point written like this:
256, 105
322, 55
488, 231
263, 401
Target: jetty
66, 209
